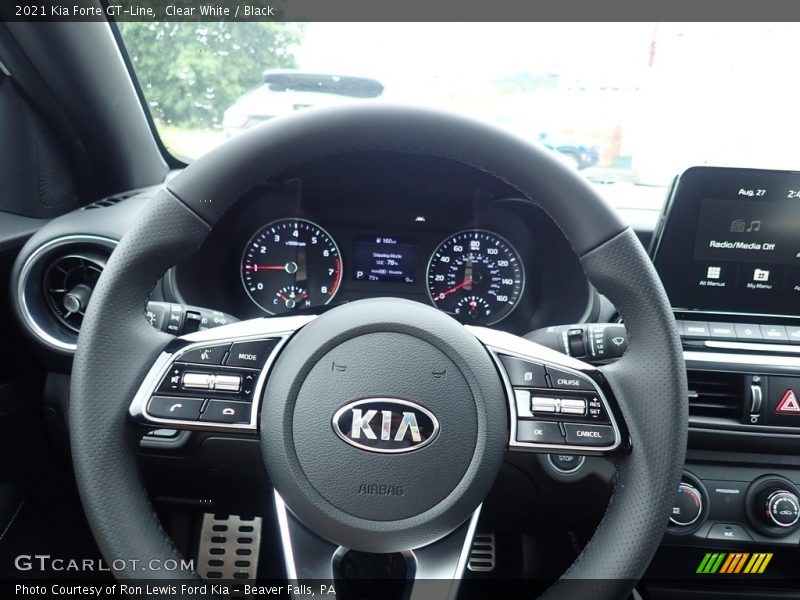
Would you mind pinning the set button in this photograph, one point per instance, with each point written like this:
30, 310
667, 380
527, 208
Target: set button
563, 406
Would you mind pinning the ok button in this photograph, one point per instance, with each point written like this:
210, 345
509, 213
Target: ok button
541, 432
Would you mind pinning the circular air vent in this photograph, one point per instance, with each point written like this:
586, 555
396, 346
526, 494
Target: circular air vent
55, 285
68, 284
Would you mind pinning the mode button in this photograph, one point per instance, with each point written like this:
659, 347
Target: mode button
250, 354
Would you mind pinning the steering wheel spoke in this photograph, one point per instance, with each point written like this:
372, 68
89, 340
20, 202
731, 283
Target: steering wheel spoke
213, 380
556, 403
431, 571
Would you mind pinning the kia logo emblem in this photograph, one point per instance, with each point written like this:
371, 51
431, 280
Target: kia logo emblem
387, 425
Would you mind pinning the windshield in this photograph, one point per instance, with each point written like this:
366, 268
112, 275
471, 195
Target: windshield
628, 105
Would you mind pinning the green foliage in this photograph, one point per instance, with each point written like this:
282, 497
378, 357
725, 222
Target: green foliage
192, 72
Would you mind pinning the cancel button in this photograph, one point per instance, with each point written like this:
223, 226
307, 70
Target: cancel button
579, 434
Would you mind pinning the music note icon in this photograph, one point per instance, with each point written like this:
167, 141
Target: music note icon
754, 226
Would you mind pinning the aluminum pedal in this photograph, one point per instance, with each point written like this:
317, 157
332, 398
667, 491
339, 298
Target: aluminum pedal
229, 547
483, 554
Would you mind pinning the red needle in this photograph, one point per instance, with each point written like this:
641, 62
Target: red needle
455, 288
265, 267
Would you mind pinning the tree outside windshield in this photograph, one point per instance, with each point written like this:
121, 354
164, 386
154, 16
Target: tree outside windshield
627, 105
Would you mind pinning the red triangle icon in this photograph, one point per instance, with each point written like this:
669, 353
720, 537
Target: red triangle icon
788, 404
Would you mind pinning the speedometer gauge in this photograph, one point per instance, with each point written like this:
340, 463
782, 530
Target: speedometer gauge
291, 264
476, 276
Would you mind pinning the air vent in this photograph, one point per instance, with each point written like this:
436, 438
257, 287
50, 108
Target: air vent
68, 284
55, 284
715, 395
111, 200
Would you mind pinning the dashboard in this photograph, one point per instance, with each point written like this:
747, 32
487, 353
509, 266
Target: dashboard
455, 238
358, 227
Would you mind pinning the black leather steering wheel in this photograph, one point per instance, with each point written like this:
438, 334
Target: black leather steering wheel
121, 358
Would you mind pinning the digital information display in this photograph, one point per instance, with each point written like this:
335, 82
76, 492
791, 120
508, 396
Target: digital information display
385, 258
731, 242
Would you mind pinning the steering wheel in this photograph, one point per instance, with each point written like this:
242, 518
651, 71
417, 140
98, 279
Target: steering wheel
383, 422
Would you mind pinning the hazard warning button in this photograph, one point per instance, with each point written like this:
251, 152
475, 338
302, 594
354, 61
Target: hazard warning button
788, 404
783, 406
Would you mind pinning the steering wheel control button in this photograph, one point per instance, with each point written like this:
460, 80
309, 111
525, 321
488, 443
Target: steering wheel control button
579, 434
523, 400
688, 506
226, 411
544, 405
523, 373
566, 380
207, 355
573, 406
539, 432
250, 354
565, 464
728, 532
170, 407
197, 381
227, 383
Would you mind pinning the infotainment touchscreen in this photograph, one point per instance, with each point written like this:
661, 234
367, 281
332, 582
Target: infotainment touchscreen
730, 242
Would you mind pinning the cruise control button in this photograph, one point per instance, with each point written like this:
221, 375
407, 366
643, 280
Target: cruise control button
542, 432
524, 373
165, 407
565, 380
250, 354
226, 411
207, 355
573, 406
589, 435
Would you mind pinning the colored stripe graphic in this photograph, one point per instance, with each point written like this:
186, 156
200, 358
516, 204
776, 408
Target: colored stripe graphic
734, 563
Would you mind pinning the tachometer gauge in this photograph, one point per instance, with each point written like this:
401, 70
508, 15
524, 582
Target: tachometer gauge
291, 264
476, 276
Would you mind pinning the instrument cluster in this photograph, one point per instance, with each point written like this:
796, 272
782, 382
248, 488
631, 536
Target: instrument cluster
292, 264
364, 226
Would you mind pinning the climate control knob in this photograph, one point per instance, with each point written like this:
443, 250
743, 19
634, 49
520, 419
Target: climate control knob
688, 506
782, 508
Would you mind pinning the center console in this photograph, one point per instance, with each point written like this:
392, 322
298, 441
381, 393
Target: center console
727, 248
